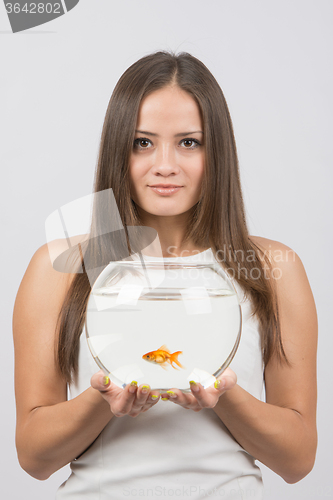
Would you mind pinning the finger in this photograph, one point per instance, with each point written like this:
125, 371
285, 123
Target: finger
125, 403
228, 372
154, 397
140, 406
142, 394
143, 401
226, 381
178, 397
200, 394
100, 381
172, 394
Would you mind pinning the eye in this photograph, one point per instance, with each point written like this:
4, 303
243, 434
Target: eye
196, 143
141, 143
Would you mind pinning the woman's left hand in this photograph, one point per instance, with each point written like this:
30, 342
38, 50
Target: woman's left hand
199, 397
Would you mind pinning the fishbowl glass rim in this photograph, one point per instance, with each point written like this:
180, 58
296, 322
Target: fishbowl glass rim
165, 262
166, 265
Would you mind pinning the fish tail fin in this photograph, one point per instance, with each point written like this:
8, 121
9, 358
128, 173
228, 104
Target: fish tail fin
174, 359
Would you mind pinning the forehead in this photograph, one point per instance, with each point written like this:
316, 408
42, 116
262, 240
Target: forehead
169, 106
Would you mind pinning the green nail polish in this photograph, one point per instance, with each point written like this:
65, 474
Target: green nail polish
134, 382
153, 396
171, 393
165, 399
192, 382
106, 380
217, 384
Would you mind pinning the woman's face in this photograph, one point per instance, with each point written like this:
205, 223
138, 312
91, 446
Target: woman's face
168, 150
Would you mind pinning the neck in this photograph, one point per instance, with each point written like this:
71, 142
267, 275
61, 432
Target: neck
171, 231
174, 248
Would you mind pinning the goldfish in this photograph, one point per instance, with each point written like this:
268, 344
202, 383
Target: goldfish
162, 356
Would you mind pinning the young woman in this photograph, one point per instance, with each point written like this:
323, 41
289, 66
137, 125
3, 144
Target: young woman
168, 124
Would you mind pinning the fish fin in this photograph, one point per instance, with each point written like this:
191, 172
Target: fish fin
174, 359
169, 360
164, 348
163, 365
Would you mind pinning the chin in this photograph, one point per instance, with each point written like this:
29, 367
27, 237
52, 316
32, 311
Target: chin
164, 210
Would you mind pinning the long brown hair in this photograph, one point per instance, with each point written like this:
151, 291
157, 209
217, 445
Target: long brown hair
216, 221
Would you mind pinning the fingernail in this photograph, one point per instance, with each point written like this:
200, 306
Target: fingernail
219, 384
133, 386
164, 399
154, 396
106, 380
194, 386
172, 394
145, 389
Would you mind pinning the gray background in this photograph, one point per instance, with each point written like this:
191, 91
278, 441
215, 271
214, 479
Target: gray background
273, 62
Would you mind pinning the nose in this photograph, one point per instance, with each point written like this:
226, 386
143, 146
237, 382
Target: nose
165, 161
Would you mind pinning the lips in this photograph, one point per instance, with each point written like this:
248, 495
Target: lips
165, 185
165, 189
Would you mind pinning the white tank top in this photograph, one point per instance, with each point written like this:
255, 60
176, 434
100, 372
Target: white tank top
169, 451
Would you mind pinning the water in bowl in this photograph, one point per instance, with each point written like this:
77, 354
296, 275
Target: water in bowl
202, 327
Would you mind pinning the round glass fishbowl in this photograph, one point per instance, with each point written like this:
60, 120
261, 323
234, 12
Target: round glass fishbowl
163, 323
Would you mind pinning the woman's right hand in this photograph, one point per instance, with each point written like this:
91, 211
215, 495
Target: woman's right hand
132, 400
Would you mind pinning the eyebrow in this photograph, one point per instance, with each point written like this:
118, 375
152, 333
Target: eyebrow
176, 135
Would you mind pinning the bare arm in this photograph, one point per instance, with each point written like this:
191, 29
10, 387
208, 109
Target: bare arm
51, 431
281, 433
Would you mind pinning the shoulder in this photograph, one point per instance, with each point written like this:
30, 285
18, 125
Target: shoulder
46, 279
288, 271
60, 257
43, 263
274, 250
282, 258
